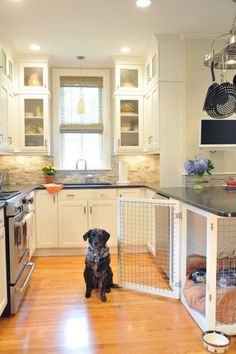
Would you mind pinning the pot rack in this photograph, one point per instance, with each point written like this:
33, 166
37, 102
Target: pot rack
226, 57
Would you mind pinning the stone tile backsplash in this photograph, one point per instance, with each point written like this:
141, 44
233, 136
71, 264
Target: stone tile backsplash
27, 169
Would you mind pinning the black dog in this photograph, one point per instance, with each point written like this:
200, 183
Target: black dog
98, 273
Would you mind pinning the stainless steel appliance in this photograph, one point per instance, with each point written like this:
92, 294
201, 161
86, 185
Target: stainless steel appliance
19, 267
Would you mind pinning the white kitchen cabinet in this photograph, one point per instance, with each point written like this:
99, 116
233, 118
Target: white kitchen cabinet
7, 119
34, 123
72, 222
3, 277
103, 215
151, 121
81, 210
129, 124
46, 219
131, 193
128, 78
33, 76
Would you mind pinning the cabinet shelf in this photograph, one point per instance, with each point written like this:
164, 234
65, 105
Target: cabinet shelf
129, 114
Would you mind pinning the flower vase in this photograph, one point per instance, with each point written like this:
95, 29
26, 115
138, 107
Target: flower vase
49, 178
197, 182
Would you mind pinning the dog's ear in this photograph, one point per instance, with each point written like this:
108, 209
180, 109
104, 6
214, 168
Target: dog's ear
86, 236
106, 235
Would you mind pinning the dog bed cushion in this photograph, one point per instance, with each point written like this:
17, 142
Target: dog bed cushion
195, 294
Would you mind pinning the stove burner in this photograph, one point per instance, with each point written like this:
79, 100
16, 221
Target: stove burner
5, 195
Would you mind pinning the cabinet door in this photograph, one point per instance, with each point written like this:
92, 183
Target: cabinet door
3, 117
46, 220
34, 123
103, 215
11, 121
33, 76
129, 78
131, 193
72, 223
151, 121
3, 278
129, 123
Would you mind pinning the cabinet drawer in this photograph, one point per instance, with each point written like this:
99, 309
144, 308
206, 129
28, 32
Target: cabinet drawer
1, 218
78, 194
131, 193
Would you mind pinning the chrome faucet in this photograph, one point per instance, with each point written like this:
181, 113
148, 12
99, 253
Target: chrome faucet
83, 172
85, 165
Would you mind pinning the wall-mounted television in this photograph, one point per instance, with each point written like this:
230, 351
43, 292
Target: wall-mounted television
217, 133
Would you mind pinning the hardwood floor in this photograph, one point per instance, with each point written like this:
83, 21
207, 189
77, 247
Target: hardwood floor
55, 317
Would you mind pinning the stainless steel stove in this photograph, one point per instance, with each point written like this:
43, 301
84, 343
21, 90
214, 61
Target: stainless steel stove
5, 195
19, 268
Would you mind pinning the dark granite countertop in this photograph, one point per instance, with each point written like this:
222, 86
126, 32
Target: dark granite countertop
215, 200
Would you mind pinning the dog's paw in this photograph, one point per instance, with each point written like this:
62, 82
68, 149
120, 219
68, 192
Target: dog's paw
103, 298
108, 290
87, 295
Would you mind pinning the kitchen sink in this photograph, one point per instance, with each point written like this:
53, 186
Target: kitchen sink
71, 185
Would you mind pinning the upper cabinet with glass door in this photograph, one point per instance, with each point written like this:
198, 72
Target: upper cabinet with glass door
129, 78
34, 123
6, 66
151, 70
129, 124
33, 77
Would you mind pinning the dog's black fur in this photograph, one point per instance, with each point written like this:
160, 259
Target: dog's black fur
98, 273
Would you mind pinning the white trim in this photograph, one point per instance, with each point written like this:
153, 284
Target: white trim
106, 150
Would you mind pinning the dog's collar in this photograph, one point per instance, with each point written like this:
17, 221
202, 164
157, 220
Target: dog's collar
98, 255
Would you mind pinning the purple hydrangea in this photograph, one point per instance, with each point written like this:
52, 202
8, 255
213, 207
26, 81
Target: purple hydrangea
198, 166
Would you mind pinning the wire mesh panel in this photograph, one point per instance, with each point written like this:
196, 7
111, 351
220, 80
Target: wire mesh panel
148, 246
226, 272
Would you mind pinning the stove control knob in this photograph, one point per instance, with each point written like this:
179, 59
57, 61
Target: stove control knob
23, 200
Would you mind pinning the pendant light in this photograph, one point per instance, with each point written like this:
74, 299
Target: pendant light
81, 102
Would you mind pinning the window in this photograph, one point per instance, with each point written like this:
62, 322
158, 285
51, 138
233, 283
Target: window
81, 109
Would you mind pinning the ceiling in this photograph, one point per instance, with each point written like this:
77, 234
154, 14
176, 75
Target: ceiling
98, 29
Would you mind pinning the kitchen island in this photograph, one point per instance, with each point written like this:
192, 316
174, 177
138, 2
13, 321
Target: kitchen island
215, 200
208, 246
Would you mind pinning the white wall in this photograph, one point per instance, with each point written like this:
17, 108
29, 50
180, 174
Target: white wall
198, 79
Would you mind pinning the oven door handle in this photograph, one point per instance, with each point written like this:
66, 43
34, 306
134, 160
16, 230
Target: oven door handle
24, 285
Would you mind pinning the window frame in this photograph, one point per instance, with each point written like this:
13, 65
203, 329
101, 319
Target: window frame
106, 135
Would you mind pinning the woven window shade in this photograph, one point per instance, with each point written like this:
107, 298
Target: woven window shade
81, 128
81, 81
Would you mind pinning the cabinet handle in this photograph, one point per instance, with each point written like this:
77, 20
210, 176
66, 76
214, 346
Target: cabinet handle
9, 140
70, 195
84, 209
90, 210
1, 139
118, 142
54, 198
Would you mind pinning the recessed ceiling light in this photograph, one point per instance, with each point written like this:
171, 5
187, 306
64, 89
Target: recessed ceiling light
35, 47
143, 3
125, 50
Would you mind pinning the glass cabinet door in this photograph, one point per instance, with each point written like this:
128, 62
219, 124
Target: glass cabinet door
34, 123
130, 113
128, 77
33, 76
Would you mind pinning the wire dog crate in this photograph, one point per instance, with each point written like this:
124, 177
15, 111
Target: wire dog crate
209, 270
149, 245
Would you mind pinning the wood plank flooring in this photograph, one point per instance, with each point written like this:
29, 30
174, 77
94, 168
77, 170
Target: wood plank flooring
56, 318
